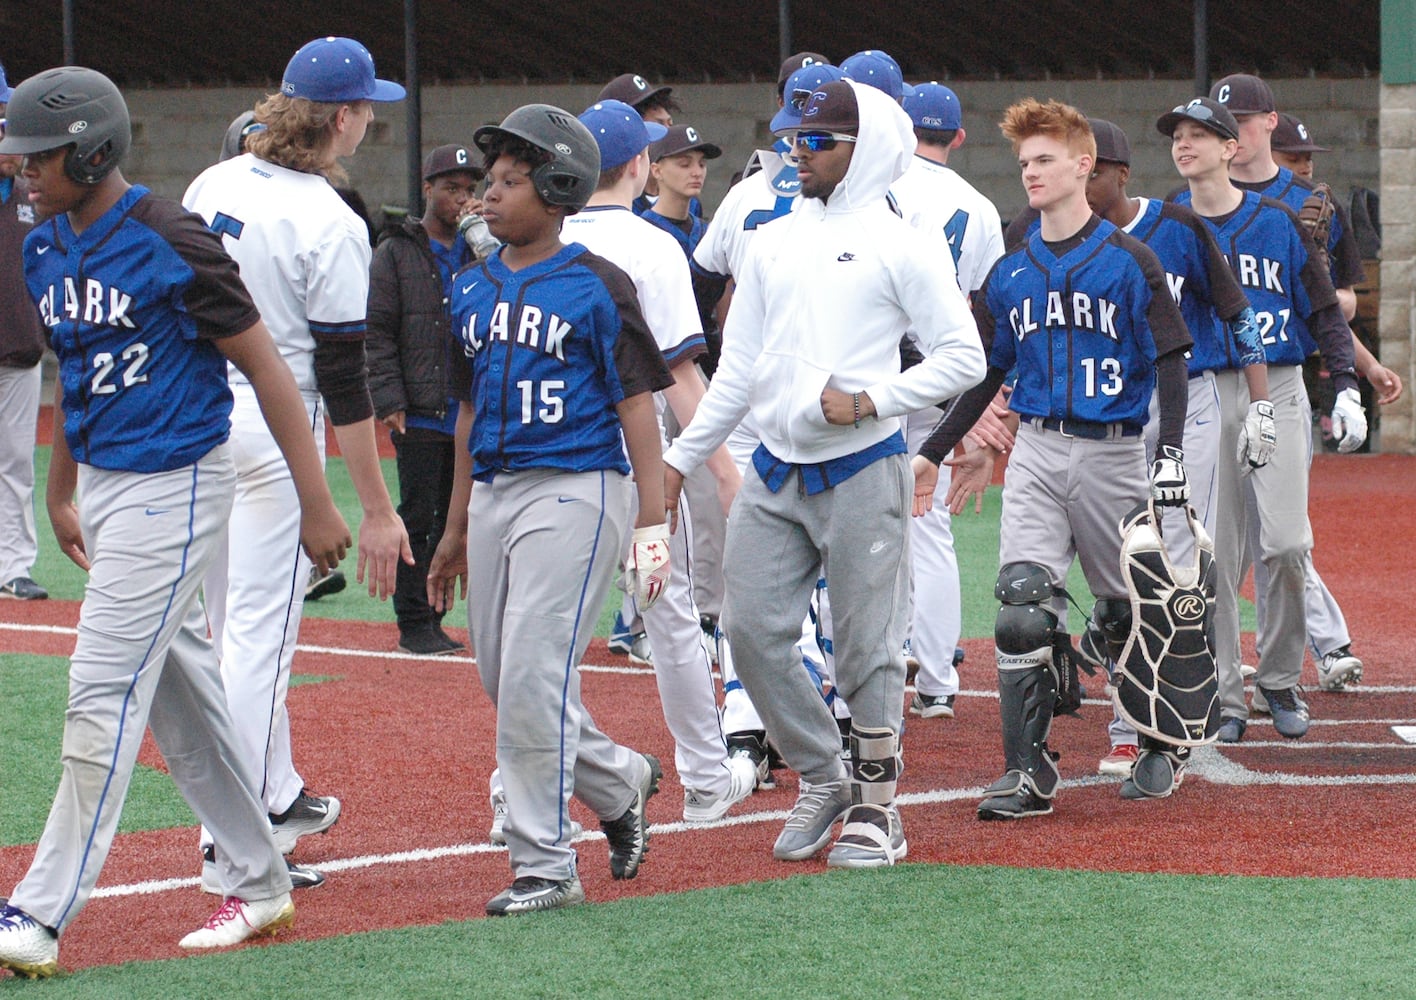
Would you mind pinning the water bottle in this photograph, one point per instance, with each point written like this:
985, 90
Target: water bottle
474, 230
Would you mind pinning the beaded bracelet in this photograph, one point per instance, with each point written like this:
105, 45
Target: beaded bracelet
855, 402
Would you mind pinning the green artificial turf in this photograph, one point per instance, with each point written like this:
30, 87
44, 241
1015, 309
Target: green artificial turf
910, 931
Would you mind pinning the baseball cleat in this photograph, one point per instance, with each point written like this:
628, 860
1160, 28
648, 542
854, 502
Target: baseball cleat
530, 893
27, 947
1231, 729
301, 876
429, 642
237, 920
1119, 760
628, 836
809, 824
752, 745
22, 588
323, 586
1338, 669
1290, 712
705, 807
497, 834
872, 836
307, 814
932, 706
1020, 805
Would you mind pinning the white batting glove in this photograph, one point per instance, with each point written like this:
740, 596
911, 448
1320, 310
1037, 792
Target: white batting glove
1169, 485
1349, 422
1257, 437
646, 571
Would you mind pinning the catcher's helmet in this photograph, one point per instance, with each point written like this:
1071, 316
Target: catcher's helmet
570, 177
70, 106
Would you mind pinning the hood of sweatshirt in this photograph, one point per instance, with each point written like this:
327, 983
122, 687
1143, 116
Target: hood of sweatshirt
885, 144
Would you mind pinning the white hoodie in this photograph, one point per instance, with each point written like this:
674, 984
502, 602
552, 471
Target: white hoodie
825, 295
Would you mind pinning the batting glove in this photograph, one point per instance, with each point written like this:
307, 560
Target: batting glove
1257, 437
646, 571
1349, 422
1169, 485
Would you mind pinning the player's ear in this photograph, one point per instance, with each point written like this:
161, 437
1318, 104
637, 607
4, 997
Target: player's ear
1123, 173
959, 136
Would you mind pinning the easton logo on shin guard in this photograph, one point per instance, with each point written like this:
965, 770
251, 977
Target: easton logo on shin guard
1165, 680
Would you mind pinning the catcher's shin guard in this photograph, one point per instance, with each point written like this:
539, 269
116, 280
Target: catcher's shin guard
1165, 683
1157, 771
876, 765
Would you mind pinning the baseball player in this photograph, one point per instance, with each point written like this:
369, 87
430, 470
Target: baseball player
656, 105
1295, 305
712, 783
559, 384
1084, 313
812, 350
144, 311
21, 347
933, 197
305, 257
1226, 336
769, 190
411, 354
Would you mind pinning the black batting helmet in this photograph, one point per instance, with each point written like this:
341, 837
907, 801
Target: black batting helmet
572, 173
70, 106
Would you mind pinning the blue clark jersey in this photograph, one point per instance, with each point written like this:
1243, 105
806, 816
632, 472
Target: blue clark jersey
551, 349
1083, 328
1266, 250
131, 306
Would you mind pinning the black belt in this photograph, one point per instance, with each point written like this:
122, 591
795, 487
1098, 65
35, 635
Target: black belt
1092, 430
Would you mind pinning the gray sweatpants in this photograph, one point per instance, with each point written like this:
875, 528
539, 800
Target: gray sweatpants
542, 546
856, 534
143, 656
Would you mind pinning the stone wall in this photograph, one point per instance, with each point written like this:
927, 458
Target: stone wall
1397, 317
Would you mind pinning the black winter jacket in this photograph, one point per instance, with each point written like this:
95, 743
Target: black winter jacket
409, 341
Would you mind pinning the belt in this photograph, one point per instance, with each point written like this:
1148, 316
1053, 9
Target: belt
1091, 430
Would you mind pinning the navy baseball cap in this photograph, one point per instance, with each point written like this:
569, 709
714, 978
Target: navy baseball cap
1244, 94
798, 88
619, 131
875, 69
831, 108
1292, 136
450, 159
793, 63
933, 106
1111, 143
632, 89
5, 89
334, 70
683, 139
1209, 113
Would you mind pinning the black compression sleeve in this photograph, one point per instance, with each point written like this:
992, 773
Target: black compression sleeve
342, 377
1172, 386
960, 415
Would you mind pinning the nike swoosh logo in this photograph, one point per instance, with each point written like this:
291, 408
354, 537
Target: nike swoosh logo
846, 256
468, 288
150, 512
42, 250
1017, 272
877, 547
1201, 423
566, 499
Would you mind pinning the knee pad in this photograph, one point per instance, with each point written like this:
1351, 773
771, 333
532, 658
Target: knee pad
1025, 627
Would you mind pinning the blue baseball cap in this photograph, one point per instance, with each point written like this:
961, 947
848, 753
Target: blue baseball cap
875, 69
798, 88
5, 89
334, 70
619, 131
934, 106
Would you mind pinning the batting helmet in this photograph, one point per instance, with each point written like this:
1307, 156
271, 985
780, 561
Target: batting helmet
70, 106
572, 173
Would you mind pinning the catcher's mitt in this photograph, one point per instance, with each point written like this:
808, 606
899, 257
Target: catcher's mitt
1315, 216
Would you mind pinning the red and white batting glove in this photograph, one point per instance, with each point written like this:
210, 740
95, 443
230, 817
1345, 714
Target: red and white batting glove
646, 571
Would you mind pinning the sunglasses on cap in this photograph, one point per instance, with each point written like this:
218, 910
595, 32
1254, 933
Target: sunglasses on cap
820, 142
1200, 113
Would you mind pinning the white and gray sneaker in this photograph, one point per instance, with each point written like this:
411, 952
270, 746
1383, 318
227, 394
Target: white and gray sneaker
27, 947
1338, 669
872, 836
808, 828
497, 834
531, 893
307, 814
705, 807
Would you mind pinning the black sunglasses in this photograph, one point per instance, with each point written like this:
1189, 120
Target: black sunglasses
1200, 113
